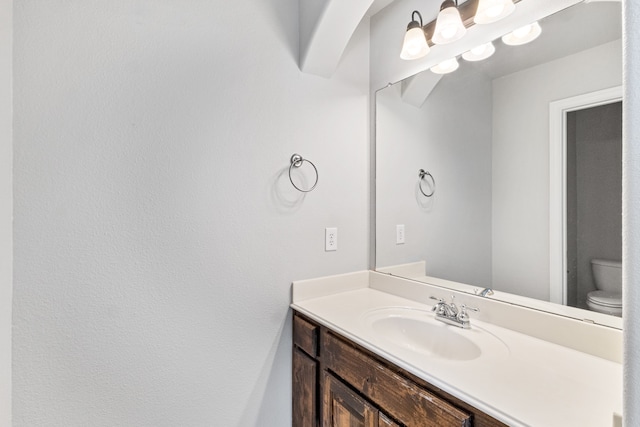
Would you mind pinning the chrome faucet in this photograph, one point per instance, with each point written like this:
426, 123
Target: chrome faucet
484, 293
450, 314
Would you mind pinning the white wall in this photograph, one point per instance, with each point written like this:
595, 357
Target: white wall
450, 231
631, 213
6, 210
521, 161
156, 232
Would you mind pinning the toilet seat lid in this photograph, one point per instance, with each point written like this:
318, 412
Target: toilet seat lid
605, 298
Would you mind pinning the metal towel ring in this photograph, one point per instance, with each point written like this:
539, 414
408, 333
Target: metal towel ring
422, 174
296, 162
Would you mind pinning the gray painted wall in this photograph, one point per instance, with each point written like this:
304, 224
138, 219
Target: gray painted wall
156, 231
450, 136
631, 214
6, 209
521, 161
598, 190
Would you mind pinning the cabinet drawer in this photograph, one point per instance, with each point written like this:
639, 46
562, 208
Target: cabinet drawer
305, 335
398, 396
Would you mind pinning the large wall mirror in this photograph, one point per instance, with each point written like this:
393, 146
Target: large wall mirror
524, 149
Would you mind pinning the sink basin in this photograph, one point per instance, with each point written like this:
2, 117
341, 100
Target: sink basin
418, 331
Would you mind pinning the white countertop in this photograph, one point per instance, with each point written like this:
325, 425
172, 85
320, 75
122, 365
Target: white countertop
535, 383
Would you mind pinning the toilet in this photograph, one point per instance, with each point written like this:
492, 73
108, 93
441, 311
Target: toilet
607, 298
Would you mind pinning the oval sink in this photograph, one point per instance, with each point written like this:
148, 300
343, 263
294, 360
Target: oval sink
419, 331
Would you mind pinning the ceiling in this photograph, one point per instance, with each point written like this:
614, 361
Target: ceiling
378, 5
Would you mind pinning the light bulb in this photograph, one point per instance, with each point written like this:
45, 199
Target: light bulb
479, 53
493, 10
523, 35
448, 32
415, 44
522, 31
445, 67
449, 27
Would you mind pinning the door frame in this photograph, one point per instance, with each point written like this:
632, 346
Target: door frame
558, 182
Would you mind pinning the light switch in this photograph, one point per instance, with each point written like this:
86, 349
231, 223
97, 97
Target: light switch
400, 234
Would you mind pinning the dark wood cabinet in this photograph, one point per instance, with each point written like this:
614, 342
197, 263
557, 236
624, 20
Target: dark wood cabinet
383, 421
342, 407
400, 397
305, 379
337, 383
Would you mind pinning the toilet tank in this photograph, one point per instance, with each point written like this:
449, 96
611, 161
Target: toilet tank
607, 274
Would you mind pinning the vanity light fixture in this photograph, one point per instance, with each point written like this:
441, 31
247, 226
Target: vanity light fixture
490, 11
523, 35
449, 26
415, 41
446, 67
479, 53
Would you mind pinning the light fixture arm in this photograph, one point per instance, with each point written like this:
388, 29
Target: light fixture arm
413, 19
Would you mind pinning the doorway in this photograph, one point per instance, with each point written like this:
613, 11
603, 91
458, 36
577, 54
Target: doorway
594, 195
570, 279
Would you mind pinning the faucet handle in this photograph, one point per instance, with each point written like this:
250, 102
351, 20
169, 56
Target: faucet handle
463, 311
438, 307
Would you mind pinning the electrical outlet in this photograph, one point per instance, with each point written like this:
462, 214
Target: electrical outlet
331, 239
400, 234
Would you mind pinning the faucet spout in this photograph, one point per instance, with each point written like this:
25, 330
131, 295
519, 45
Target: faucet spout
485, 292
450, 310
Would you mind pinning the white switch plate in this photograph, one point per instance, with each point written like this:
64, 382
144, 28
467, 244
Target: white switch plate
331, 239
400, 234
617, 420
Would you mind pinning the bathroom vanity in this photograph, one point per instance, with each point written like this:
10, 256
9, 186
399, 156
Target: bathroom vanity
368, 351
341, 383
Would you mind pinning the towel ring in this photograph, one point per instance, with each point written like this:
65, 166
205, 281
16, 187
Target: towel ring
422, 174
296, 162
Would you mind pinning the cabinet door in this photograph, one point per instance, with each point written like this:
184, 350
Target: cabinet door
305, 373
343, 408
396, 395
383, 421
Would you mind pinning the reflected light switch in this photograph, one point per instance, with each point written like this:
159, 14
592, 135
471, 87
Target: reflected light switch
400, 234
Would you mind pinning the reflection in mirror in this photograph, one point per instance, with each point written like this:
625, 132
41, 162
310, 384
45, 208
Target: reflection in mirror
483, 133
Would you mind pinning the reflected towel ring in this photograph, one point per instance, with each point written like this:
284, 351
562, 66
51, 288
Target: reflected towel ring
422, 174
296, 162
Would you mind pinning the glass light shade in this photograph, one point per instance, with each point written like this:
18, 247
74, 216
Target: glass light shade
446, 67
493, 10
415, 44
449, 27
480, 52
523, 35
